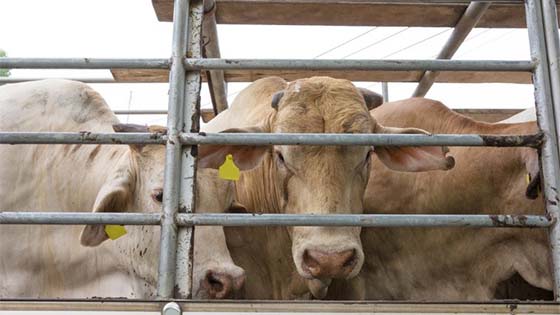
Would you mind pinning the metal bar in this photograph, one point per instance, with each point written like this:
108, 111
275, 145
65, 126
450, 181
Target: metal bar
228, 219
171, 185
550, 161
216, 80
344, 64
532, 140
365, 220
82, 63
79, 218
553, 47
468, 21
84, 80
184, 262
385, 91
80, 138
140, 112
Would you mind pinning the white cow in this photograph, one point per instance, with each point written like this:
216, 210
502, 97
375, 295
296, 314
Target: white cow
49, 261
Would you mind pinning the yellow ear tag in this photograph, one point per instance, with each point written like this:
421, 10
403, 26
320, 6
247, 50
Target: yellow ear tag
115, 231
228, 170
528, 178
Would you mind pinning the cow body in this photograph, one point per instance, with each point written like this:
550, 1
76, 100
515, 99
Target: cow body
51, 261
446, 264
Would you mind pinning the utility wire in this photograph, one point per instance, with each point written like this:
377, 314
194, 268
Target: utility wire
344, 43
377, 42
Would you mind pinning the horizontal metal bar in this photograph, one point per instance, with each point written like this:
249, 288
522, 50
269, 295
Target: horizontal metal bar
340, 64
80, 138
78, 218
140, 112
84, 80
532, 140
83, 63
365, 220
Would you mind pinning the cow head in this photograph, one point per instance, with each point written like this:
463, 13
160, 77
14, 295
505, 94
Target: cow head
136, 185
330, 179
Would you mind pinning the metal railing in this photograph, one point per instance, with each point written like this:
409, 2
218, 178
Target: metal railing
176, 226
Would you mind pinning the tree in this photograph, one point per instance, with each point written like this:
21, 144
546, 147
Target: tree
4, 72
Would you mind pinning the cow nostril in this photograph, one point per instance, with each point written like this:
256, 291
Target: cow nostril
309, 261
215, 283
218, 285
351, 260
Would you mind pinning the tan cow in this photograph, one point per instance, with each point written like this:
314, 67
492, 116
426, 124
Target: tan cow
308, 180
49, 261
448, 264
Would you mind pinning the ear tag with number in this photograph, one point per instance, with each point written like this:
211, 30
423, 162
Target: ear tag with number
115, 231
228, 170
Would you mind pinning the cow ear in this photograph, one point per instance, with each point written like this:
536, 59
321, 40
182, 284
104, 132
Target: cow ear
112, 197
533, 176
371, 98
246, 157
410, 158
276, 99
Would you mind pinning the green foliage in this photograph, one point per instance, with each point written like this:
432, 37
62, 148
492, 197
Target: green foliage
4, 72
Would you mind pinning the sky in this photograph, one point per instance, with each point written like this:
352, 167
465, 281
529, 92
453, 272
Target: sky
129, 29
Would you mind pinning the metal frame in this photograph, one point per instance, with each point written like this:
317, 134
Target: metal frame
180, 165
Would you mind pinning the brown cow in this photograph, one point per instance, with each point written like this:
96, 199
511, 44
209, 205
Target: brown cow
308, 180
453, 263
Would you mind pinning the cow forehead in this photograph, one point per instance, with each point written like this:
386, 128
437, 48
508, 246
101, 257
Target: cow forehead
323, 105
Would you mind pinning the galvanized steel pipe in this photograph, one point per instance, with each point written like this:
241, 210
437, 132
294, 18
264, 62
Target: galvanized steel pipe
172, 171
550, 160
343, 64
365, 220
79, 218
229, 219
532, 140
83, 63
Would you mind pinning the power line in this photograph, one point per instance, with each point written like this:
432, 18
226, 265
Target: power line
416, 43
493, 39
470, 38
376, 43
344, 43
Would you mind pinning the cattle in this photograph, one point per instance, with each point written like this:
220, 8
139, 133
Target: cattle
446, 264
308, 180
52, 261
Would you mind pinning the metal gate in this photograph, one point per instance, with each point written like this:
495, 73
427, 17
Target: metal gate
185, 64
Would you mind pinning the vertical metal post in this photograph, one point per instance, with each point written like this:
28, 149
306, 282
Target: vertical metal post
183, 283
545, 117
171, 185
385, 91
550, 23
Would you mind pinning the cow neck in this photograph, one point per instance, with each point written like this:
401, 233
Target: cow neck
258, 190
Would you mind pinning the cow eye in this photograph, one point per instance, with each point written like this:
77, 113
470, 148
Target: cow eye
157, 195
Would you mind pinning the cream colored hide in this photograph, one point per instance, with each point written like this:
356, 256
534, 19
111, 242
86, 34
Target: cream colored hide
49, 261
451, 264
308, 180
